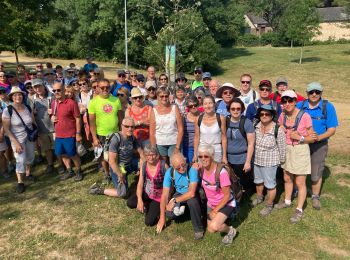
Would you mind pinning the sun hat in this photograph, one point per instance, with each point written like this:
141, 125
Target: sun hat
136, 92
280, 80
120, 72
314, 86
225, 86
14, 90
27, 82
289, 93
267, 108
198, 69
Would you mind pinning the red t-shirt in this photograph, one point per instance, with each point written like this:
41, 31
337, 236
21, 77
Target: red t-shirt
66, 112
278, 100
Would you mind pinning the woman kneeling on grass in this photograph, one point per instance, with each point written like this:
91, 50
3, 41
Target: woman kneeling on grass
299, 133
150, 186
221, 202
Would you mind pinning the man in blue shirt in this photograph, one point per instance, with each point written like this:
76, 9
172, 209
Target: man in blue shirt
120, 82
89, 65
324, 123
185, 184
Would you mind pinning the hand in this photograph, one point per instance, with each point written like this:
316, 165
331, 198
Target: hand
194, 159
49, 111
140, 206
160, 225
196, 166
247, 167
295, 135
54, 119
170, 206
224, 160
121, 178
212, 214
314, 136
78, 137
96, 142
19, 148
176, 150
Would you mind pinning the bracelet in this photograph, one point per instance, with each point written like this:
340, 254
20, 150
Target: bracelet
77, 133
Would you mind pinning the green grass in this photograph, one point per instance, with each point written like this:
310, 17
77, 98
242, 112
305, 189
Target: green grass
55, 219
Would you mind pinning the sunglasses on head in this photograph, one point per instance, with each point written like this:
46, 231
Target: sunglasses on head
120, 95
264, 114
287, 100
317, 92
56, 90
245, 82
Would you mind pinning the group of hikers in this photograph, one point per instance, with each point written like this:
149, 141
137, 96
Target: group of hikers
198, 144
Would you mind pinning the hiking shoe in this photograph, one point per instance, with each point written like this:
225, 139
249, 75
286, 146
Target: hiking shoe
49, 169
106, 180
198, 235
282, 205
257, 201
227, 240
68, 174
316, 204
20, 188
30, 178
95, 189
266, 211
61, 169
78, 176
296, 217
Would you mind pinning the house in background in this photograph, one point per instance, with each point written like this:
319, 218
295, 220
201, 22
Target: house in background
256, 25
334, 24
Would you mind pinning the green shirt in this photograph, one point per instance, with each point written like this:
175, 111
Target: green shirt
106, 112
195, 84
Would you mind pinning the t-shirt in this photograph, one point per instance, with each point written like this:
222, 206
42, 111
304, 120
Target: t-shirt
304, 124
249, 97
278, 98
42, 118
222, 109
251, 110
124, 147
236, 143
182, 181
106, 112
66, 113
214, 195
195, 84
89, 66
16, 125
320, 124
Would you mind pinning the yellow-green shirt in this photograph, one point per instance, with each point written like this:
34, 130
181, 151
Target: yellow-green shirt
106, 112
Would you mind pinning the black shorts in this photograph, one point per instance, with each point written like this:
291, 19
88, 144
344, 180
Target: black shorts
227, 211
102, 139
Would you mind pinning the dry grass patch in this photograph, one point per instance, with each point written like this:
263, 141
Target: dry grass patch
325, 244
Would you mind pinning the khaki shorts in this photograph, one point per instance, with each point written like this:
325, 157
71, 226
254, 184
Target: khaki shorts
298, 159
47, 142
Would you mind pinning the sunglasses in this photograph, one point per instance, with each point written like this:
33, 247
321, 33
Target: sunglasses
181, 166
29, 87
129, 126
235, 109
137, 98
287, 100
32, 73
197, 72
264, 89
104, 88
121, 75
164, 96
203, 156
70, 72
96, 74
264, 114
245, 82
151, 89
163, 79
82, 84
120, 95
227, 93
317, 92
192, 106
133, 76
56, 90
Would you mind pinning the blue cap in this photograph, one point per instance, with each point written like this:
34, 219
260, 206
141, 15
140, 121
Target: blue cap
140, 77
206, 75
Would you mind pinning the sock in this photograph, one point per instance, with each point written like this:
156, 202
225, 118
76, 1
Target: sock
315, 196
301, 210
288, 202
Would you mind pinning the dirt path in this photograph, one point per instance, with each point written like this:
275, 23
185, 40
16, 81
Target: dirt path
339, 143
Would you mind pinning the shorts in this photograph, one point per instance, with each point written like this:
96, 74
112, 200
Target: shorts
133, 167
166, 150
318, 153
25, 158
65, 146
298, 161
266, 175
227, 211
3, 146
46, 142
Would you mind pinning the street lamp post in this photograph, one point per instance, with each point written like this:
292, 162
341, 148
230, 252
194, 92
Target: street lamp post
126, 38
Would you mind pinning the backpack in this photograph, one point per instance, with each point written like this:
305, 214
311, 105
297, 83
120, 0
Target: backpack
236, 186
324, 110
240, 127
296, 122
107, 143
10, 109
200, 119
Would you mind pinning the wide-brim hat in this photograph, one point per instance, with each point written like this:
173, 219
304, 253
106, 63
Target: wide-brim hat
266, 108
136, 92
14, 90
230, 86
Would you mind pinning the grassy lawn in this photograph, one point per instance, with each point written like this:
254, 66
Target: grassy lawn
55, 219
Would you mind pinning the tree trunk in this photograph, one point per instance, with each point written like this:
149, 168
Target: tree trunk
301, 53
291, 44
16, 54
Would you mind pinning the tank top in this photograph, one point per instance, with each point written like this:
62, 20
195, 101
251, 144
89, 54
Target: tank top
141, 132
166, 127
188, 133
210, 135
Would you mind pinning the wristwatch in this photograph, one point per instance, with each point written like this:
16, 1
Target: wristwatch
302, 139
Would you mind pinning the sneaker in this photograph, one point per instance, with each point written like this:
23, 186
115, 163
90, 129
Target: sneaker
266, 211
61, 169
227, 240
316, 204
296, 217
49, 169
30, 178
198, 235
258, 200
68, 174
95, 189
20, 188
282, 205
78, 176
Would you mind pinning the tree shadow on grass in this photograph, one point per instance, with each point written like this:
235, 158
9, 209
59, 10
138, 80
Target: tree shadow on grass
346, 52
306, 60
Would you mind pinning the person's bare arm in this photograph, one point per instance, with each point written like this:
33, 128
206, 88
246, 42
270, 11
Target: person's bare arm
78, 129
223, 139
6, 122
139, 190
250, 151
112, 160
196, 139
163, 202
152, 129
180, 128
92, 123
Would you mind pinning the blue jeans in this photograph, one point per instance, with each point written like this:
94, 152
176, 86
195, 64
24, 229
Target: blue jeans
132, 167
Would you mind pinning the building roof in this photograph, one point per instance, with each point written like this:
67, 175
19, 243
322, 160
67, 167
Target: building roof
257, 20
333, 14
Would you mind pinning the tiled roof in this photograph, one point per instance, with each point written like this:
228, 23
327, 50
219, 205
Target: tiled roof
333, 14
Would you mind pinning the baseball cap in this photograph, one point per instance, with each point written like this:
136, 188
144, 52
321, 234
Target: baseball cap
140, 77
206, 75
314, 86
121, 72
150, 84
289, 93
280, 80
266, 83
36, 82
198, 69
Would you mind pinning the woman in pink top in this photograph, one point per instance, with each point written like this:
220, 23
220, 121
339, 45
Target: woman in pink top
221, 203
299, 133
150, 186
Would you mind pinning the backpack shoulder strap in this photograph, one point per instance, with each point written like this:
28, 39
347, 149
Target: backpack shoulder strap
10, 110
28, 107
217, 105
200, 119
324, 108
241, 127
144, 169
276, 130
217, 174
274, 104
302, 104
298, 118
254, 95
218, 119
275, 95
256, 104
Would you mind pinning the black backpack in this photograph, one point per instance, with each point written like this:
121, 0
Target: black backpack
240, 127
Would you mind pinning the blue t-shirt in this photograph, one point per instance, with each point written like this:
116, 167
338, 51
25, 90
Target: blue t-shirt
88, 67
114, 90
222, 110
181, 183
320, 124
251, 110
237, 146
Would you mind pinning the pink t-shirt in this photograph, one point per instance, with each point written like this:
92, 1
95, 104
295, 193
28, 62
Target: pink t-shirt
304, 124
215, 196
